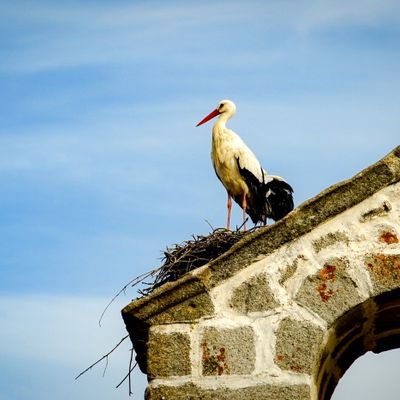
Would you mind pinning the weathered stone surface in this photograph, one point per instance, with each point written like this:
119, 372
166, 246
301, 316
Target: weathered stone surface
331, 292
291, 269
168, 355
384, 270
188, 310
387, 320
228, 351
351, 322
257, 392
298, 345
187, 304
253, 295
329, 240
379, 211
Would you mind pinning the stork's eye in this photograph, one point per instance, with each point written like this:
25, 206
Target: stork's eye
220, 106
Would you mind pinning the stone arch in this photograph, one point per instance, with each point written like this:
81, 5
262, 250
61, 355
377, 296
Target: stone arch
373, 325
284, 312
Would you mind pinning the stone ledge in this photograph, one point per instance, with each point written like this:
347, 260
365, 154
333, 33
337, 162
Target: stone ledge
258, 392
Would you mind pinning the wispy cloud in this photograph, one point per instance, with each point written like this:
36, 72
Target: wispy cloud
101, 166
102, 34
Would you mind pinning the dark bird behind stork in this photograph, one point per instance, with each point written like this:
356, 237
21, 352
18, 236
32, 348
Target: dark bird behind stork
260, 195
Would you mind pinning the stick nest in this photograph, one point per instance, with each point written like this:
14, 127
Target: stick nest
182, 258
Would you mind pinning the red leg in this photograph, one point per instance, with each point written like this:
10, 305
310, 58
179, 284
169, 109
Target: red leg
244, 206
228, 224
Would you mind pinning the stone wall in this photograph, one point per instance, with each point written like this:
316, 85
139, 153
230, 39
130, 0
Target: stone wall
284, 313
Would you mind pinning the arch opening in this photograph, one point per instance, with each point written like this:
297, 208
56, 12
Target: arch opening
372, 376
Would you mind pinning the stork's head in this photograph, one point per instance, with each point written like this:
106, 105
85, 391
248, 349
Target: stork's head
225, 107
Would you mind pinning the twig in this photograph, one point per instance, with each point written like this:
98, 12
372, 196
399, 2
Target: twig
130, 370
133, 282
105, 367
209, 224
128, 375
243, 224
102, 358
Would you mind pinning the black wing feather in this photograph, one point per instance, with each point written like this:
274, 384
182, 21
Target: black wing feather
256, 205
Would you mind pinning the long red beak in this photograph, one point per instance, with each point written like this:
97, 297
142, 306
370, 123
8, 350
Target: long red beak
209, 116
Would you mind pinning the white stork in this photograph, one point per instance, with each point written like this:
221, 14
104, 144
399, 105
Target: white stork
260, 195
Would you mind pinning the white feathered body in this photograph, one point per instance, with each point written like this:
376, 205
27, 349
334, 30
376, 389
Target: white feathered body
260, 195
228, 152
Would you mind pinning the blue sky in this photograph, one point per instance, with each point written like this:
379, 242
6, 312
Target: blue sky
101, 166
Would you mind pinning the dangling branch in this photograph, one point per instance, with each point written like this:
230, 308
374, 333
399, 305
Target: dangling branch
105, 367
128, 375
102, 358
130, 370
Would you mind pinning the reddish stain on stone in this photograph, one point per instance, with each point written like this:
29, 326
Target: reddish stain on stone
326, 274
222, 364
389, 238
295, 367
206, 353
324, 292
214, 364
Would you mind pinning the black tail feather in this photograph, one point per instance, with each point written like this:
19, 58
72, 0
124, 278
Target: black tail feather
270, 198
279, 197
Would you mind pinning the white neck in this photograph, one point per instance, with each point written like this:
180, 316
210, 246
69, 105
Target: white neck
222, 120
